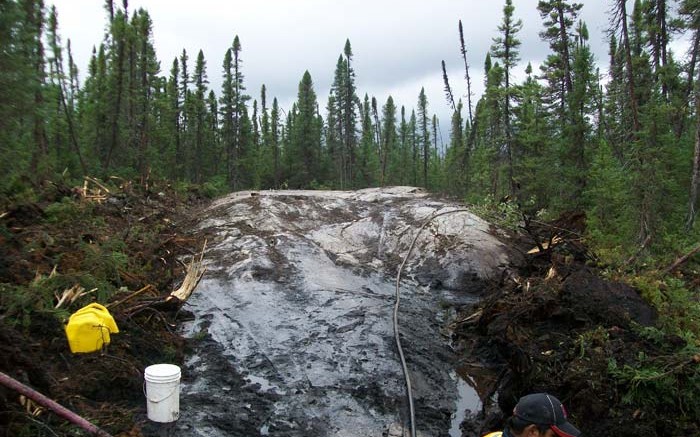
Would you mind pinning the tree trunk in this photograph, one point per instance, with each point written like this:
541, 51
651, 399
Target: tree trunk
680, 124
630, 71
565, 46
695, 178
466, 73
117, 103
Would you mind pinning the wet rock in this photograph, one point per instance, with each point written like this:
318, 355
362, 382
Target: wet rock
300, 305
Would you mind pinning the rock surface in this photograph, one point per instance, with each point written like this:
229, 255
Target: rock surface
292, 332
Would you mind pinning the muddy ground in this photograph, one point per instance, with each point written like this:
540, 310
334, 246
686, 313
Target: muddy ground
554, 326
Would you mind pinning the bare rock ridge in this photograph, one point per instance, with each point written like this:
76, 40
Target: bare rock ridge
292, 332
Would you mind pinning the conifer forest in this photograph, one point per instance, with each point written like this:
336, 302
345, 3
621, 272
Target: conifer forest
614, 140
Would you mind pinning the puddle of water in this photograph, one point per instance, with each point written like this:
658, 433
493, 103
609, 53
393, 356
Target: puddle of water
467, 399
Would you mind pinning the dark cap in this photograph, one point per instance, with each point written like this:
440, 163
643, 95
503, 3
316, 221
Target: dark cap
545, 409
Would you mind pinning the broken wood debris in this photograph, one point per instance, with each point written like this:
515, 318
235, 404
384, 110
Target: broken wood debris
173, 301
72, 294
195, 271
142, 290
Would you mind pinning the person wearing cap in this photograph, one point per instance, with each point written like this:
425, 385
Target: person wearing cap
538, 415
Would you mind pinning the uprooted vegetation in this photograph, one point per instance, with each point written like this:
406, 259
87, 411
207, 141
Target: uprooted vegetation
625, 361
115, 243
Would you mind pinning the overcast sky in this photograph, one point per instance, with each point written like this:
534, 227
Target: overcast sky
397, 45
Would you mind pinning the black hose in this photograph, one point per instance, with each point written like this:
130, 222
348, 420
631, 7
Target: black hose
407, 376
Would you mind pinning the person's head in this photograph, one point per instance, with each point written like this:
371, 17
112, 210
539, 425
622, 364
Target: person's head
540, 415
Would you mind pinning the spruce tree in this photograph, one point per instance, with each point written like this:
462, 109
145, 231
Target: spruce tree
389, 145
174, 115
367, 156
59, 81
454, 158
403, 160
304, 152
342, 110
185, 108
200, 111
240, 145
506, 48
424, 121
227, 118
275, 142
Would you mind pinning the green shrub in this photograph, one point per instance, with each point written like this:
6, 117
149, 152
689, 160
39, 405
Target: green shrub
63, 211
664, 382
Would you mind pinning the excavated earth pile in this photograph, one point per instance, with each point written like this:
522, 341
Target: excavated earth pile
558, 327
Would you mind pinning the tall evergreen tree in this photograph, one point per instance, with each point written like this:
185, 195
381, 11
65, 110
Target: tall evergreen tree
455, 159
185, 102
424, 122
366, 172
228, 133
117, 52
59, 79
403, 161
200, 111
463, 51
342, 108
506, 48
388, 139
559, 18
275, 141
239, 108
174, 115
305, 146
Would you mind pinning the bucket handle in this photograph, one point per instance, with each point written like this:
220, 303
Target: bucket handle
159, 400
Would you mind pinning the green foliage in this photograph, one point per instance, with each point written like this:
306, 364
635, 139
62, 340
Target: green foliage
678, 306
670, 378
215, 187
610, 218
589, 339
670, 383
63, 212
18, 304
506, 214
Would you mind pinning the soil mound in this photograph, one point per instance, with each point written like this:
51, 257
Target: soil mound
561, 328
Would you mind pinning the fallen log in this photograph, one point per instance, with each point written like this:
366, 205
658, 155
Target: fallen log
52, 405
682, 260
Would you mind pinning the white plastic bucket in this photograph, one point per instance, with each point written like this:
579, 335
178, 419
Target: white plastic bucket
162, 392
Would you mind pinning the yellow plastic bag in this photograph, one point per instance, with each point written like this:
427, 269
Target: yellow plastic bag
88, 328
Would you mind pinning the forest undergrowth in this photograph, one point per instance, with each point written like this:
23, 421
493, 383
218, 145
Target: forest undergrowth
117, 243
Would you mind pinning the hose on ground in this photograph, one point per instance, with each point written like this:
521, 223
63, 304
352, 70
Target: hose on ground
404, 367
52, 405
